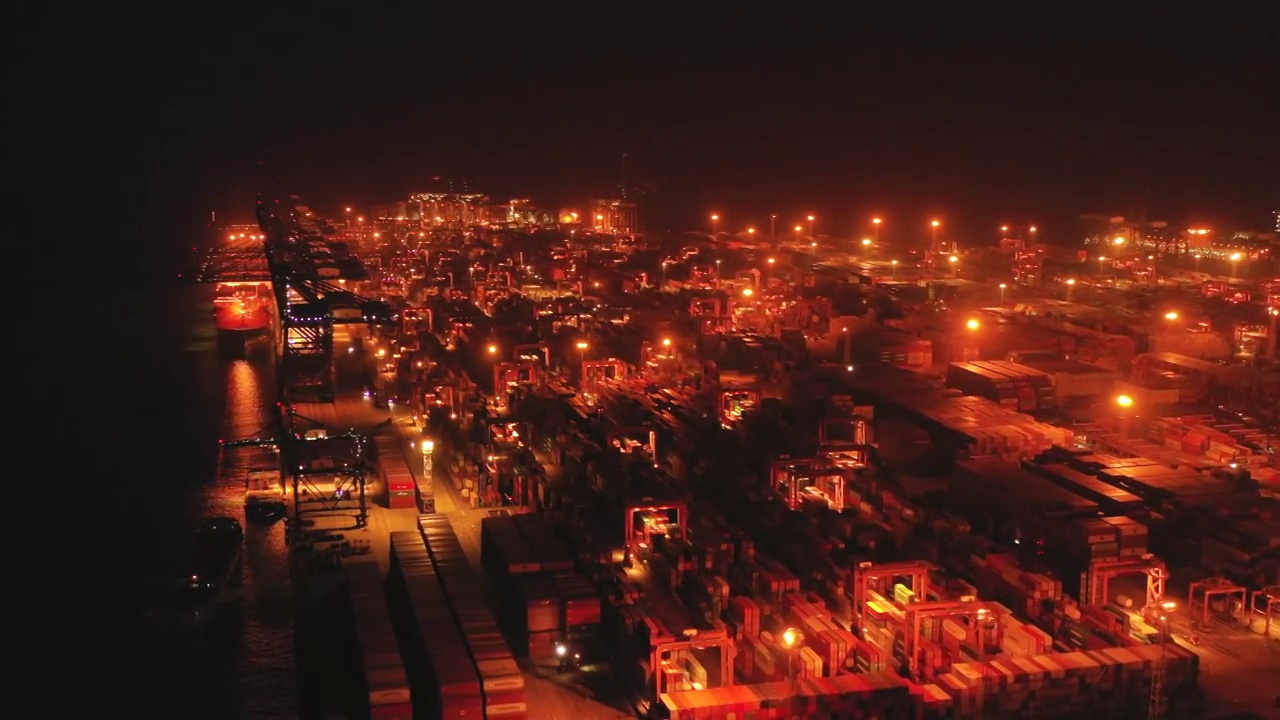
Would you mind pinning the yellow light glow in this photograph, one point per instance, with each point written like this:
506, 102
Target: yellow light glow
1004, 228
1235, 257
935, 223
876, 221
1171, 315
715, 217
1071, 281
493, 349
666, 342
866, 241
1124, 401
771, 261
791, 637
953, 259
582, 345
748, 292
810, 218
751, 231
1118, 241
973, 324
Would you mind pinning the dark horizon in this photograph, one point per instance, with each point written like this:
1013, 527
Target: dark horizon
734, 113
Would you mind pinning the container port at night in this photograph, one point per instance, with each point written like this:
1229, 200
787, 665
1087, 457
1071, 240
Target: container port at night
563, 469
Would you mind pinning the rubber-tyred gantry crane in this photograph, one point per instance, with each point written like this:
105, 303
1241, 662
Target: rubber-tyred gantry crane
924, 622
1206, 590
1097, 588
870, 577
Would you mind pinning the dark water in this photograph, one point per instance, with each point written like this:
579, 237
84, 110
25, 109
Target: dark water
161, 397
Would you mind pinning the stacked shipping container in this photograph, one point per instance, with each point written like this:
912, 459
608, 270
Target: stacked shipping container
1012, 386
545, 601
398, 482
501, 682
988, 428
444, 678
386, 684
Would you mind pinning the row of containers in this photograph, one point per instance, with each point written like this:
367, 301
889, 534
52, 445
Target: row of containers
458, 663
548, 612
1197, 435
403, 489
1010, 385
1237, 547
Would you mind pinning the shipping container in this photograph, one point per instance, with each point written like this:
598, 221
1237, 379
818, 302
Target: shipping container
386, 683
443, 676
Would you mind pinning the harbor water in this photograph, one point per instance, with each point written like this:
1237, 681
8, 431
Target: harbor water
148, 445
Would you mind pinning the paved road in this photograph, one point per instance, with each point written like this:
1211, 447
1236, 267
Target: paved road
546, 698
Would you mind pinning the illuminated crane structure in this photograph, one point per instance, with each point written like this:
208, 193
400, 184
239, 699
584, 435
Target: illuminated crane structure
236, 257
311, 301
1096, 588
308, 278
328, 470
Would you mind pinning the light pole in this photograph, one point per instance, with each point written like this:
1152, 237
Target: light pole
1271, 333
1002, 289
933, 243
718, 279
893, 269
1156, 707
1101, 259
1124, 402
973, 326
798, 231
773, 221
955, 265
792, 641
1235, 262
1197, 259
1071, 283
866, 245
875, 228
582, 362
811, 219
715, 220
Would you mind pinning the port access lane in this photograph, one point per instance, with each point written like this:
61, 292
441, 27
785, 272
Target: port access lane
546, 697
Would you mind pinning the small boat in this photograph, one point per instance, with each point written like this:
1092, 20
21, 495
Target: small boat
215, 575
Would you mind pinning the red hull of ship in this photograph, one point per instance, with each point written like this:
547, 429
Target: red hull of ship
242, 316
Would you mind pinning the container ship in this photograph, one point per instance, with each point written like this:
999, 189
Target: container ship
214, 579
243, 312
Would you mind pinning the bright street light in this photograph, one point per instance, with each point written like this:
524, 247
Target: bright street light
1124, 401
973, 324
1118, 241
1171, 315
493, 349
748, 292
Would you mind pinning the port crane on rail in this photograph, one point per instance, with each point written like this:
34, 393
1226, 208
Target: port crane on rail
312, 298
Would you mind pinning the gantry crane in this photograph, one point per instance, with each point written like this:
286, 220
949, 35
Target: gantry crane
1264, 602
925, 618
315, 453
1207, 589
309, 303
870, 577
648, 517
1095, 590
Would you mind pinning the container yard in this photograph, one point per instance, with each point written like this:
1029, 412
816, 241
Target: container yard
682, 509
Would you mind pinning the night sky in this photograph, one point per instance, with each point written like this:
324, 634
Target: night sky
977, 119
